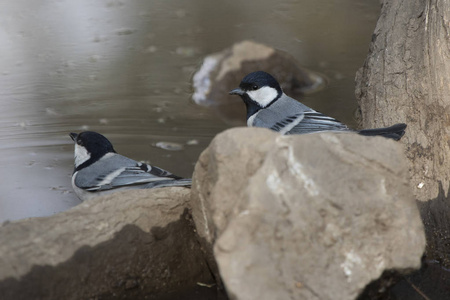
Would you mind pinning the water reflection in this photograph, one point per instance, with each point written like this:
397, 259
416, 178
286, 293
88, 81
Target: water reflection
123, 69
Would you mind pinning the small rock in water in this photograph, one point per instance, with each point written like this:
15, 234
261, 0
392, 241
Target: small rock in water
192, 142
186, 51
125, 31
169, 146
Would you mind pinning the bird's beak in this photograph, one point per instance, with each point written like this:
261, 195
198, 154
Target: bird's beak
237, 91
73, 136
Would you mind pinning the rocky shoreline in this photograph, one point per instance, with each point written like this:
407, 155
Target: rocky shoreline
316, 216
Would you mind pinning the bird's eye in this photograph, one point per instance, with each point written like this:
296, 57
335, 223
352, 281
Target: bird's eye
255, 87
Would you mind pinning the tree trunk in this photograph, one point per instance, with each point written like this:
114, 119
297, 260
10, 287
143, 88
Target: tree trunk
406, 78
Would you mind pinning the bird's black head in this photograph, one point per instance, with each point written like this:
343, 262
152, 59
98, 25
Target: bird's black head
90, 146
258, 90
257, 80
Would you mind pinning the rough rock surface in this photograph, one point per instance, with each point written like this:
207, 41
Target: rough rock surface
221, 72
314, 216
406, 78
122, 246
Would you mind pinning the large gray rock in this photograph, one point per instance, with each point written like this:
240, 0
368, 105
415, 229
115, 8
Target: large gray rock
315, 216
128, 245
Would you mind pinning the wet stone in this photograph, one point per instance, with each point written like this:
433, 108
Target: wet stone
222, 72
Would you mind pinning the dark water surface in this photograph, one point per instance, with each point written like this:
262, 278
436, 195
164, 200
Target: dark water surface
123, 68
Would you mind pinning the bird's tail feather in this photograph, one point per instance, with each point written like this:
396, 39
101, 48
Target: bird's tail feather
394, 132
187, 182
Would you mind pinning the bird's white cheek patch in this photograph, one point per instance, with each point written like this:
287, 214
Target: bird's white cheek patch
263, 96
81, 155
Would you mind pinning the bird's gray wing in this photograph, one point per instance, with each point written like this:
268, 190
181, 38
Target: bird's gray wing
288, 116
281, 116
118, 171
272, 120
314, 121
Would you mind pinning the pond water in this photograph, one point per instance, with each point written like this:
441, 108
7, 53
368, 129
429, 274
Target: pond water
124, 68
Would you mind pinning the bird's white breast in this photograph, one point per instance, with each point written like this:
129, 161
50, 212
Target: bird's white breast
251, 119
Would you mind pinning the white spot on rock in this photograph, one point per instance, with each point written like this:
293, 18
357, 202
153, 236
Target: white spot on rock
273, 182
202, 79
383, 186
297, 169
351, 260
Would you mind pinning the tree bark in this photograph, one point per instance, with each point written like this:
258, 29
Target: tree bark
406, 78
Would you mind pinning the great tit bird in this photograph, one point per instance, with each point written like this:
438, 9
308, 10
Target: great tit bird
100, 170
269, 107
